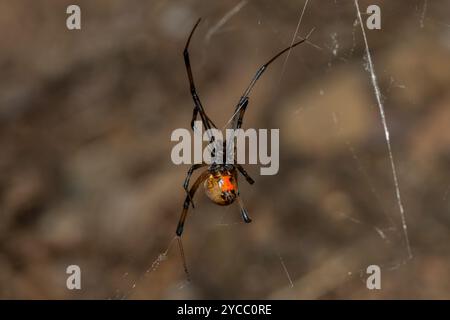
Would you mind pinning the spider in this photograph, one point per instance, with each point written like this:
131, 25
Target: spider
220, 181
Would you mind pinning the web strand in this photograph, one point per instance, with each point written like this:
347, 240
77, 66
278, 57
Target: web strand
293, 40
386, 133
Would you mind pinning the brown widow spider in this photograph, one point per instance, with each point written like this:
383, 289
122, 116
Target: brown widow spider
220, 181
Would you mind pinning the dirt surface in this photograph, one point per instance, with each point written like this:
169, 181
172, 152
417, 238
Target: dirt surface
86, 176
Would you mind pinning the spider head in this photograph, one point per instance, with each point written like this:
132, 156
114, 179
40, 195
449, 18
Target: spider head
221, 187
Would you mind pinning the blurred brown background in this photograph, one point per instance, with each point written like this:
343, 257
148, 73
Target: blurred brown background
85, 170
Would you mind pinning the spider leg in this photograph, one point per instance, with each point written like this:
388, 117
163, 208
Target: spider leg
198, 108
244, 212
242, 107
183, 258
188, 178
194, 117
237, 123
245, 174
187, 201
258, 74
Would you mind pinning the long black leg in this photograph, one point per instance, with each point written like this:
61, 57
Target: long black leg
187, 201
244, 212
194, 117
183, 258
245, 174
237, 124
188, 178
242, 108
198, 108
244, 97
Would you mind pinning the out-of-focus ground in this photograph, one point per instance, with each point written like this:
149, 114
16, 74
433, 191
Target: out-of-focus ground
85, 170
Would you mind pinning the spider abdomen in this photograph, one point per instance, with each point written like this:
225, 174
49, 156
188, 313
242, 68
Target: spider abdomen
221, 188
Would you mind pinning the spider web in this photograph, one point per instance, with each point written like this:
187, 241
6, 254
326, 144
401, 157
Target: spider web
341, 48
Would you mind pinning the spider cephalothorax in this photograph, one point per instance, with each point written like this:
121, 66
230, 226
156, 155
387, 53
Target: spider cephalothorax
220, 181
